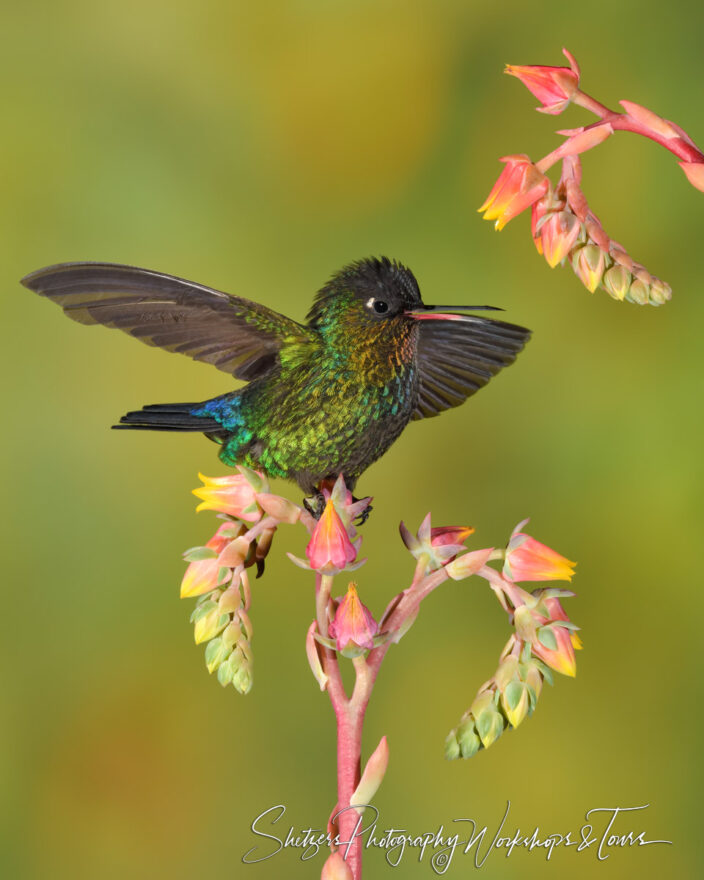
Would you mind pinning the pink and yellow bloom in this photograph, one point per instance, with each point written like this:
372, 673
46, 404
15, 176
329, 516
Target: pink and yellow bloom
558, 235
203, 574
440, 545
554, 87
234, 495
354, 625
528, 560
330, 549
560, 658
519, 186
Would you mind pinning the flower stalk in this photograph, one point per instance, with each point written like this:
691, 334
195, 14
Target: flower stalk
564, 228
218, 576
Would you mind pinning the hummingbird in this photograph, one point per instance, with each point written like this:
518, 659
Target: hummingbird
323, 398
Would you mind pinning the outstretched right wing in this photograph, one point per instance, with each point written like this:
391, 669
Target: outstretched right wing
235, 335
458, 355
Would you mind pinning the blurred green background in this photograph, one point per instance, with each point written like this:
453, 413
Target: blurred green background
257, 148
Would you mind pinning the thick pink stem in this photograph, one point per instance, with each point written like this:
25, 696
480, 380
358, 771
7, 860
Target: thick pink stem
679, 146
350, 719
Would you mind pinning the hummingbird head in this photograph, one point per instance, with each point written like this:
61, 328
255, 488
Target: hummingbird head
378, 295
367, 293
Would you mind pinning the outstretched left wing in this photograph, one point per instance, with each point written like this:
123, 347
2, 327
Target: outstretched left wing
457, 355
236, 335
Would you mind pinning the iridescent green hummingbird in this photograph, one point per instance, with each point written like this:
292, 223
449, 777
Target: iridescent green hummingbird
322, 398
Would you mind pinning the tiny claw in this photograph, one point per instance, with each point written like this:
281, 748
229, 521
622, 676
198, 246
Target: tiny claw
364, 515
260, 568
315, 505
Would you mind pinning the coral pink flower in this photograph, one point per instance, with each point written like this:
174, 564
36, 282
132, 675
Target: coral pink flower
330, 549
561, 658
520, 184
353, 623
233, 495
554, 87
529, 560
558, 235
202, 575
442, 535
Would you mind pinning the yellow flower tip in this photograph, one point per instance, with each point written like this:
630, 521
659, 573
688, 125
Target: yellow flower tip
577, 643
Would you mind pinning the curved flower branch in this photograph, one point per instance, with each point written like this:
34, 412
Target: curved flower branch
563, 226
543, 639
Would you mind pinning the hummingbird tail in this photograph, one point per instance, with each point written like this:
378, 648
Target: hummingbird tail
168, 417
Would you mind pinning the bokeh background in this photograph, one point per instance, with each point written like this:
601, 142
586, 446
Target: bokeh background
257, 148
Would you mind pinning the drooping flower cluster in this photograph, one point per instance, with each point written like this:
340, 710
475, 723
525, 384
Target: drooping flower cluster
217, 573
544, 639
563, 226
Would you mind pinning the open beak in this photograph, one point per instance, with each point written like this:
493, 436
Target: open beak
444, 313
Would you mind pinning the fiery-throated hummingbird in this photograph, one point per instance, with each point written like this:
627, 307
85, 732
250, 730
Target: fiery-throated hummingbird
322, 398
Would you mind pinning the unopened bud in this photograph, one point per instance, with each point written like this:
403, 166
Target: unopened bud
639, 293
372, 776
617, 281
515, 702
209, 621
336, 868
216, 652
589, 264
468, 739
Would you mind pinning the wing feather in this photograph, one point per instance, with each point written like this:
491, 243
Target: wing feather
234, 334
456, 357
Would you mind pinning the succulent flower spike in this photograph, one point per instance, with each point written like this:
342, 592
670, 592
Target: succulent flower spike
562, 225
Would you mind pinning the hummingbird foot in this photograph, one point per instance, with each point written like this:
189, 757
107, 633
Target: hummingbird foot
315, 505
364, 515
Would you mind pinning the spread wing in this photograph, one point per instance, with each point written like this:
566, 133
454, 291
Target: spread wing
235, 335
457, 356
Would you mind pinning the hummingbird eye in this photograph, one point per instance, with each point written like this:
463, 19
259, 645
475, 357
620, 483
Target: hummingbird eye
380, 306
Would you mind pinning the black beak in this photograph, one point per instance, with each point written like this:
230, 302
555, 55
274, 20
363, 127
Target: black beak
429, 313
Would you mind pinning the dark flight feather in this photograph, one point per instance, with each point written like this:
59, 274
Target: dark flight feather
456, 357
238, 336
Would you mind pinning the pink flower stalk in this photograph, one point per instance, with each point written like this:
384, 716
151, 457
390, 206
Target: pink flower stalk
233, 495
554, 87
440, 545
563, 226
520, 184
529, 560
353, 625
330, 549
